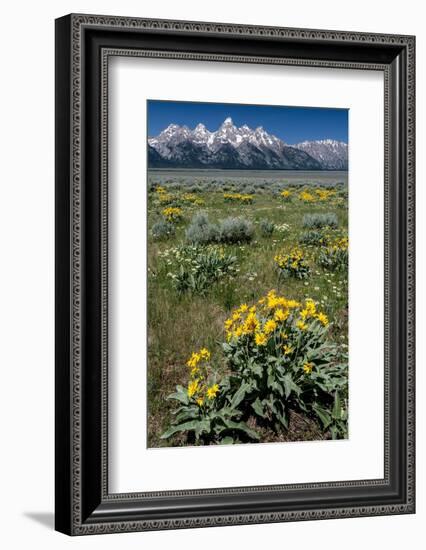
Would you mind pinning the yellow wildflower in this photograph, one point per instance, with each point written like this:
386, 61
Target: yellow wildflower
288, 349
205, 354
243, 308
172, 213
322, 318
307, 367
193, 360
301, 325
212, 391
281, 315
292, 304
260, 339
228, 324
281, 301
251, 323
200, 401
192, 388
238, 197
306, 196
271, 299
310, 307
270, 326
238, 332
194, 371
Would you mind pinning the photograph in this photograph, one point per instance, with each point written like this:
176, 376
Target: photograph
247, 270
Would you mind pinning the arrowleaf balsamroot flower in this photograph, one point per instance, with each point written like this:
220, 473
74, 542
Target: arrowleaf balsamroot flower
173, 213
292, 264
261, 339
238, 197
192, 387
212, 391
273, 353
274, 316
307, 367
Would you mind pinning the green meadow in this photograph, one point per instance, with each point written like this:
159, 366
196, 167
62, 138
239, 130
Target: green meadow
186, 314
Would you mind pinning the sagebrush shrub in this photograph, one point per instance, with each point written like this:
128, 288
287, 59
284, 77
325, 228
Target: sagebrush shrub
195, 188
235, 230
249, 190
267, 228
317, 221
201, 230
230, 230
313, 238
162, 229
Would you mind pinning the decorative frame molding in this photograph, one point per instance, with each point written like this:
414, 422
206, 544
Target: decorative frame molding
84, 43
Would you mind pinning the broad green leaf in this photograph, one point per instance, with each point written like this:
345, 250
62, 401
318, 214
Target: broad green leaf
337, 408
258, 408
334, 432
243, 428
180, 395
322, 414
202, 426
290, 386
228, 440
257, 369
273, 384
185, 427
282, 417
239, 394
186, 415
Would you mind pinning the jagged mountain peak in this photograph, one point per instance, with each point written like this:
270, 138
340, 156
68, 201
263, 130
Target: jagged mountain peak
243, 147
331, 153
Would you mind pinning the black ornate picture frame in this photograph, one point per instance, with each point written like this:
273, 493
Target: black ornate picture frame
84, 43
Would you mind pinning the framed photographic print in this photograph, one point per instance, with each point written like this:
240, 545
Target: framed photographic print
234, 274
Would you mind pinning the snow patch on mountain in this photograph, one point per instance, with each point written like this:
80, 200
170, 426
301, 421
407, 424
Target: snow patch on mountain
332, 154
242, 148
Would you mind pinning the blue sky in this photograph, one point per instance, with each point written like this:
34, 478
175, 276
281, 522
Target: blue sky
291, 124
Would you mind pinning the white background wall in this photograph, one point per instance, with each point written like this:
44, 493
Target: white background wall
27, 262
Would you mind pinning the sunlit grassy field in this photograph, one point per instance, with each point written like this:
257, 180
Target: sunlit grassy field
180, 322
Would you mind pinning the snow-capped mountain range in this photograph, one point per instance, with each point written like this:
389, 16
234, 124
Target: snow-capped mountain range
232, 147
